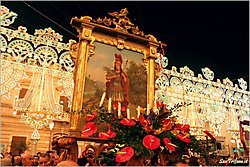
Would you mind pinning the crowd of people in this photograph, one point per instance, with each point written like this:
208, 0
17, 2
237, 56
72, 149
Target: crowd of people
50, 158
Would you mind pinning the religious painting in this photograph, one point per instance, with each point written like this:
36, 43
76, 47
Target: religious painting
118, 75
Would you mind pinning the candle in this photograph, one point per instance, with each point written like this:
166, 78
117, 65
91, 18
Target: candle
102, 100
138, 111
119, 109
155, 107
148, 109
128, 113
109, 106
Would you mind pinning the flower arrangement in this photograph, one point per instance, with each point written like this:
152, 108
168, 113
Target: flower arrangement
155, 134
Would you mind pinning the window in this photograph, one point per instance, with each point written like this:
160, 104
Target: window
22, 93
18, 145
218, 145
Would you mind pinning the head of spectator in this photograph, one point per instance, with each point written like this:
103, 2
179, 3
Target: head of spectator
16, 160
53, 157
181, 162
26, 159
44, 160
36, 160
1, 155
7, 155
6, 162
67, 163
82, 161
38, 154
193, 162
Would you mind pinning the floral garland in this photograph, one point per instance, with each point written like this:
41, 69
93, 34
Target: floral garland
149, 135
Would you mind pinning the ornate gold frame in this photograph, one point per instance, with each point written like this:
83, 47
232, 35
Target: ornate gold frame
118, 31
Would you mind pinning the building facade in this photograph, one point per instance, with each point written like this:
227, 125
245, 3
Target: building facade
37, 89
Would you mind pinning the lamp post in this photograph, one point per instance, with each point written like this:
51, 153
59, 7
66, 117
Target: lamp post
51, 126
34, 138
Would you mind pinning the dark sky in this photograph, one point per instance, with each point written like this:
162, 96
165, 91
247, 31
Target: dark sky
198, 33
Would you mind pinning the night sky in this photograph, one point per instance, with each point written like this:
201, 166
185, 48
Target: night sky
198, 33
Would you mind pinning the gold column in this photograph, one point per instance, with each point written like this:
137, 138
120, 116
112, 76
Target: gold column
79, 76
151, 74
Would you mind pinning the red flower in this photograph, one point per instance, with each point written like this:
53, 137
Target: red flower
103, 135
90, 117
169, 144
112, 134
125, 154
148, 128
89, 129
209, 134
115, 105
109, 128
151, 142
183, 138
107, 135
167, 124
128, 122
123, 109
184, 127
159, 104
143, 121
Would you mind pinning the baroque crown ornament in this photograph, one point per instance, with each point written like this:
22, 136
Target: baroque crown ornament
123, 23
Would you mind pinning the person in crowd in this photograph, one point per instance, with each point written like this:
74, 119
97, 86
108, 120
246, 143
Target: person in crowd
178, 163
44, 160
67, 163
1, 155
53, 157
38, 154
193, 162
26, 159
7, 155
6, 162
36, 160
16, 160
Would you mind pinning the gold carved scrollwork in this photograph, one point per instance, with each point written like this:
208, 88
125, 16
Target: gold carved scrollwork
86, 18
151, 37
91, 50
106, 21
145, 64
120, 43
123, 23
136, 31
73, 50
153, 52
87, 35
